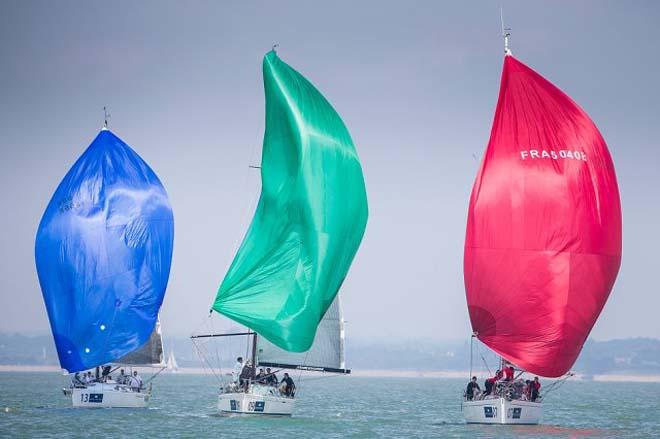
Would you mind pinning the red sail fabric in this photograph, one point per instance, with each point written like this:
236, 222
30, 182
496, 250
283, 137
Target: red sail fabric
543, 244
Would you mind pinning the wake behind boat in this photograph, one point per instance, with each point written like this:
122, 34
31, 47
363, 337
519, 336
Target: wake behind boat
309, 223
543, 241
103, 252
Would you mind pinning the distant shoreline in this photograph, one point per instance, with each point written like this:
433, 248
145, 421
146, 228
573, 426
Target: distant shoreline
372, 373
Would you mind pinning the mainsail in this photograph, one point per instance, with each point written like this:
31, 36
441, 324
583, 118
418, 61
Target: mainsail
310, 219
149, 354
326, 353
543, 244
103, 252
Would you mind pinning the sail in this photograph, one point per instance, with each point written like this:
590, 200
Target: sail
310, 219
171, 362
149, 354
543, 243
326, 353
103, 252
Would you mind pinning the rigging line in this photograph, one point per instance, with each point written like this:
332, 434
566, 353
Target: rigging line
155, 375
484, 360
205, 362
300, 371
217, 353
557, 384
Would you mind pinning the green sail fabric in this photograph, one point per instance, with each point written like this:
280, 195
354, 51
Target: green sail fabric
310, 219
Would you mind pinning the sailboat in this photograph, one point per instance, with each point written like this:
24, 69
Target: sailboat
308, 225
172, 365
543, 241
103, 252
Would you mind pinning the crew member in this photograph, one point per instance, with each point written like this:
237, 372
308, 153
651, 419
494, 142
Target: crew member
508, 373
472, 389
77, 380
261, 376
105, 372
535, 388
136, 382
122, 378
271, 378
238, 368
288, 388
247, 375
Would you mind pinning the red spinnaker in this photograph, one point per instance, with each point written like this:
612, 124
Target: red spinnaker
543, 244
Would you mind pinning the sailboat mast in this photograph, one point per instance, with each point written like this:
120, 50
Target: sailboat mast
254, 351
506, 33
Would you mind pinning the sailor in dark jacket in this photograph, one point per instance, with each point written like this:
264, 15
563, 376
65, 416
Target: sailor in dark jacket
472, 388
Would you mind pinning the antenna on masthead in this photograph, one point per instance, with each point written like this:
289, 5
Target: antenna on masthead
106, 116
275, 46
505, 34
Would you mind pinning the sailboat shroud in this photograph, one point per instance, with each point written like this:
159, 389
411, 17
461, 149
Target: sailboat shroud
309, 221
103, 253
543, 244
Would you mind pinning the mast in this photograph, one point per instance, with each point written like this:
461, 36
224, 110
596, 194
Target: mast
254, 351
106, 116
505, 34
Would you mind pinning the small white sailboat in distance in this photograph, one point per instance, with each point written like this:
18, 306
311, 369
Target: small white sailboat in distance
172, 365
543, 243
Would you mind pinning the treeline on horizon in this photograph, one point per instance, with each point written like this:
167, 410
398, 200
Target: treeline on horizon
624, 356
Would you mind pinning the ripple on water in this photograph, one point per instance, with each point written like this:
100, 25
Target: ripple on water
31, 405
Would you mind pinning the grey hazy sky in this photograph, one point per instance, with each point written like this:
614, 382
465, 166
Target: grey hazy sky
415, 82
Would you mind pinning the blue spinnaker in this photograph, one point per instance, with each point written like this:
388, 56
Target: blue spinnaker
103, 253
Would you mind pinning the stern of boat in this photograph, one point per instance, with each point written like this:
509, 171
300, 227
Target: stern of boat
109, 395
259, 400
502, 411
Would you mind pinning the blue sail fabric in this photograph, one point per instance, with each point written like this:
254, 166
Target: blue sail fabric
103, 253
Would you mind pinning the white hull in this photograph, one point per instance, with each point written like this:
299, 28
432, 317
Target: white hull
502, 411
106, 395
259, 400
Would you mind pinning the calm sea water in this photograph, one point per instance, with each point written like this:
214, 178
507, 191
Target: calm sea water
32, 405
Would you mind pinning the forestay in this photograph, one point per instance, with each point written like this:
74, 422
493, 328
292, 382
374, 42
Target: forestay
326, 353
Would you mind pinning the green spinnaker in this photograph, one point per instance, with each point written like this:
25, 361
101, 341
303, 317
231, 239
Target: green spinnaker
310, 219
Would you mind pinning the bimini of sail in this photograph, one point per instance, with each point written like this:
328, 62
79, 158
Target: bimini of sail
543, 244
103, 252
309, 221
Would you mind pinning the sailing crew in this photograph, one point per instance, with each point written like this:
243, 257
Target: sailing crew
247, 375
472, 389
288, 388
122, 378
535, 388
105, 372
508, 373
238, 368
77, 381
136, 382
490, 383
271, 378
261, 376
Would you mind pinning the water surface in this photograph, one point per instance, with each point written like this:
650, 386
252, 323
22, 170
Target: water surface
32, 405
